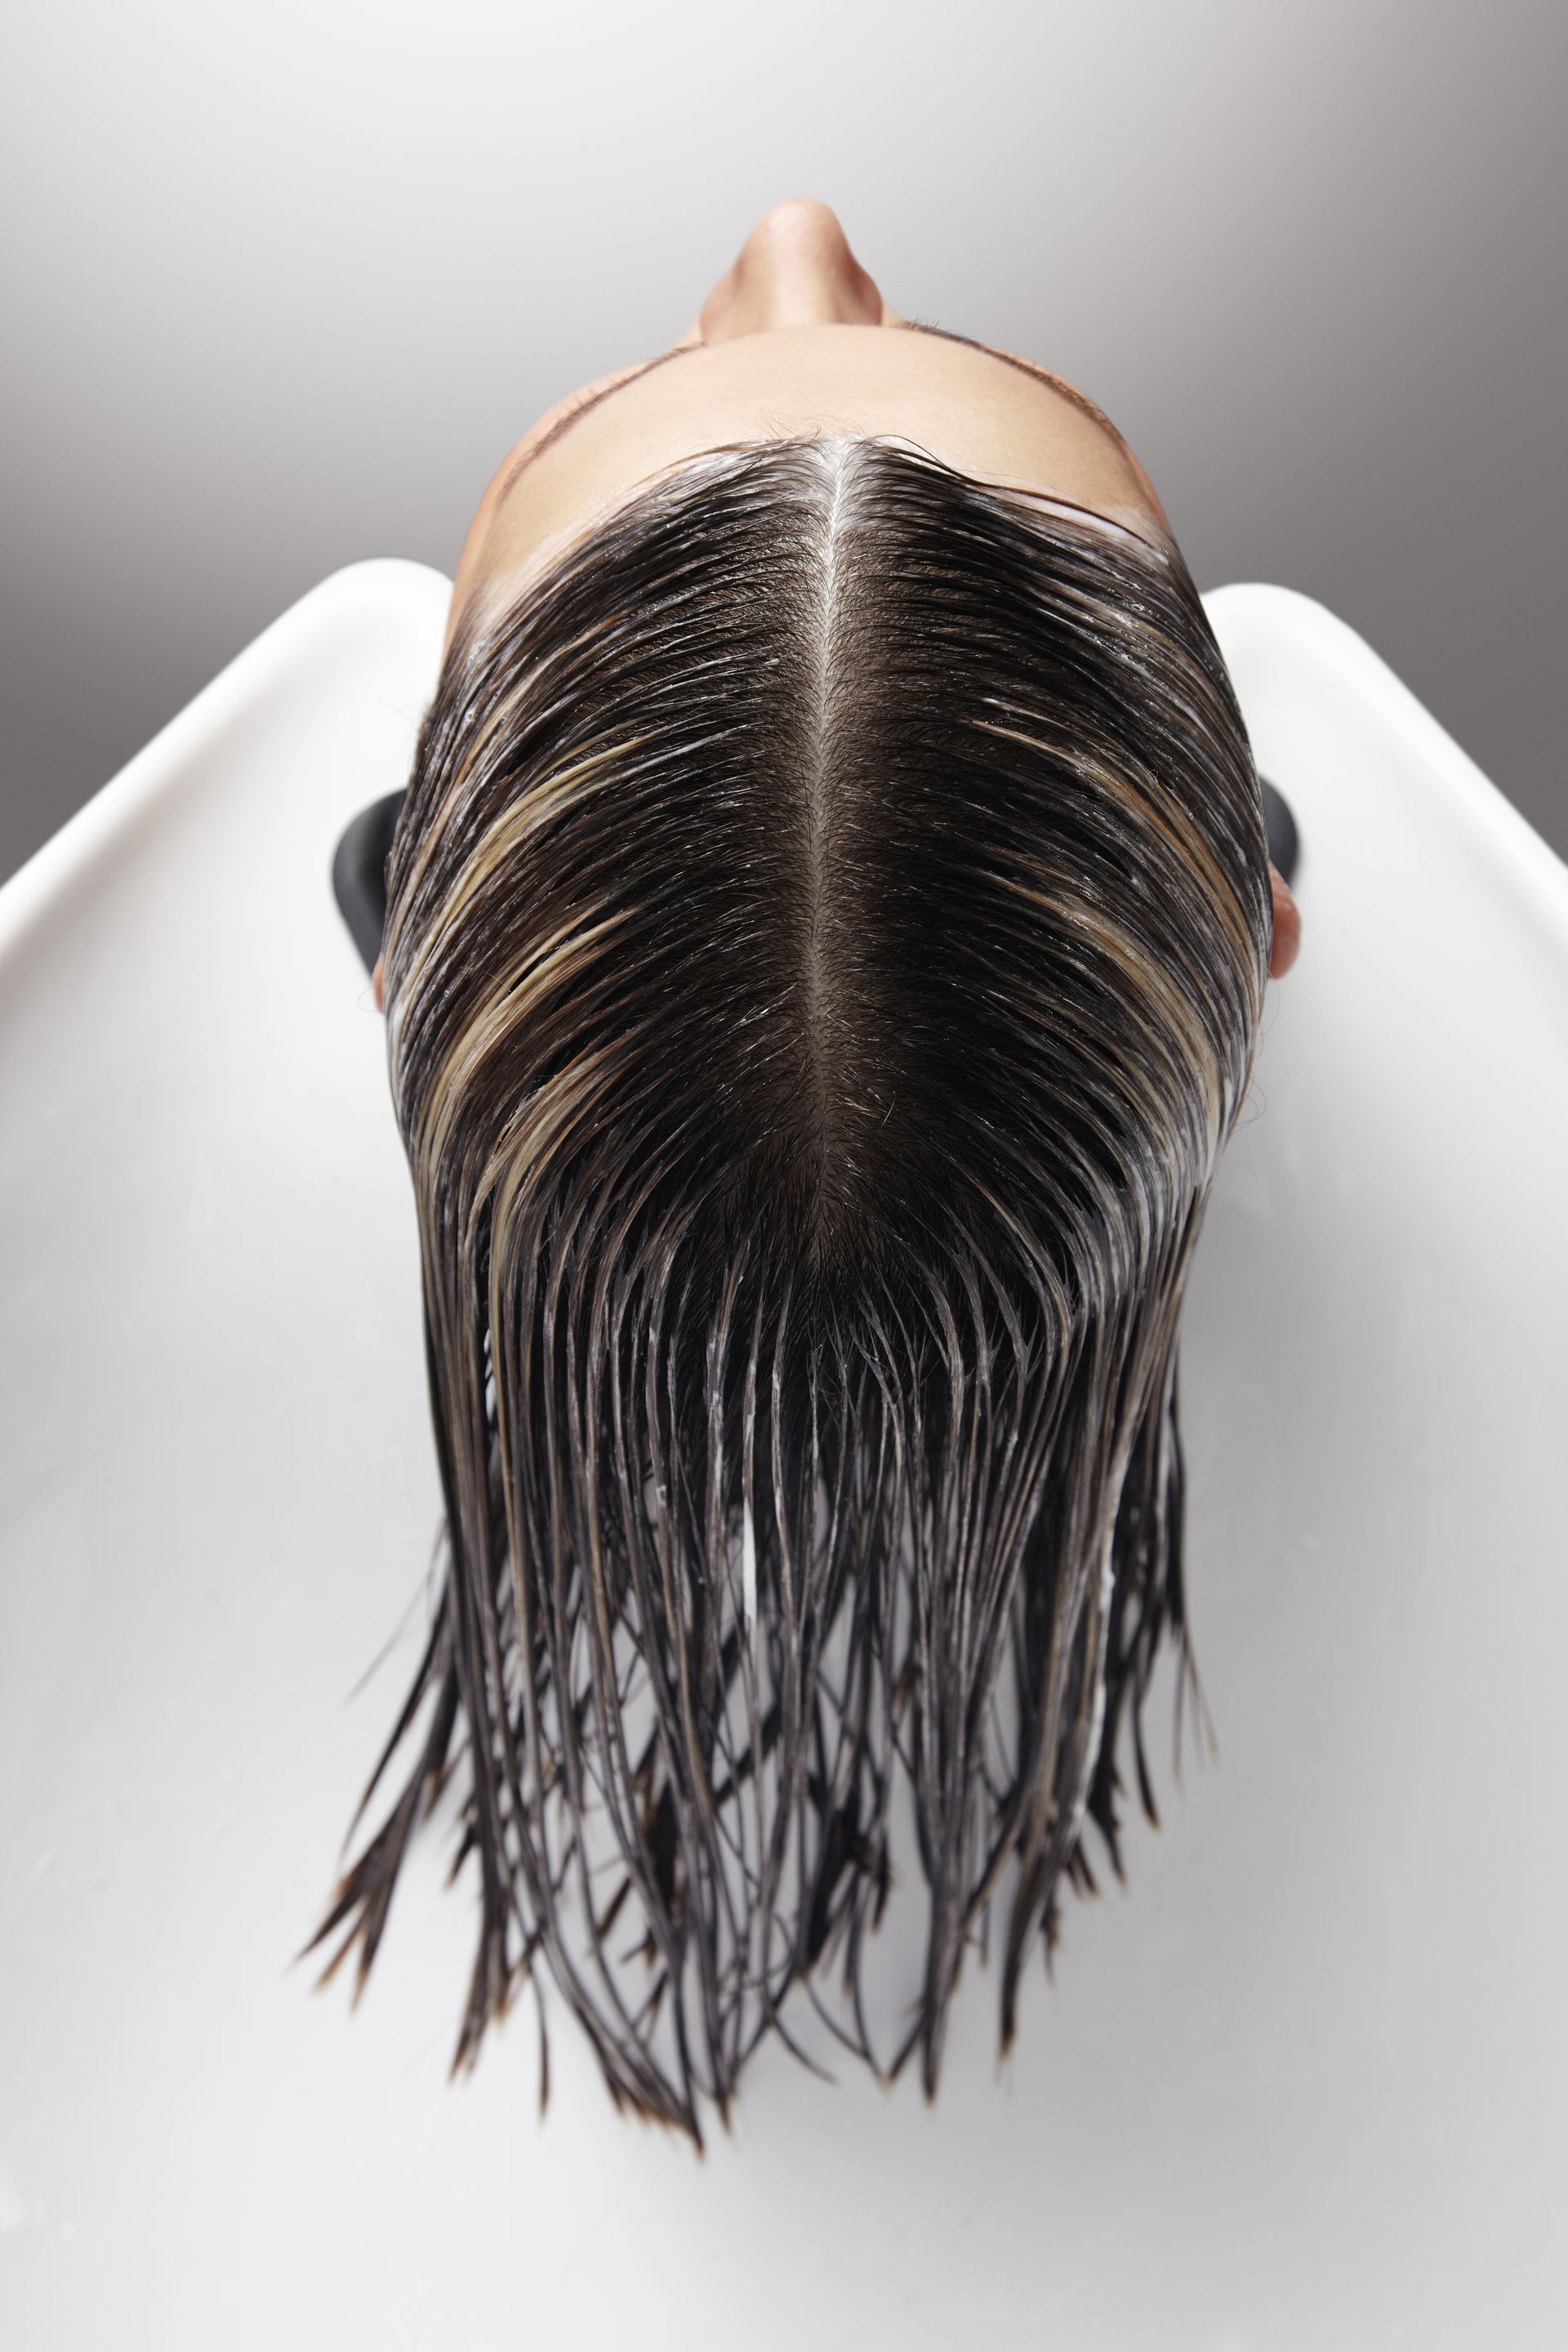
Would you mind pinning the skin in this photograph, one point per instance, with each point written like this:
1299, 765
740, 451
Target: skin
795, 338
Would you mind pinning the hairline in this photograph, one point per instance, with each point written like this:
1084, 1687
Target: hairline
486, 613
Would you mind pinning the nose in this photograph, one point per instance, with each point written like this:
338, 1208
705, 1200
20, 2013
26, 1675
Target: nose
795, 269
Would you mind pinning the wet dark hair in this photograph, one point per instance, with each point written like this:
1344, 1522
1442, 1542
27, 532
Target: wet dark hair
827, 933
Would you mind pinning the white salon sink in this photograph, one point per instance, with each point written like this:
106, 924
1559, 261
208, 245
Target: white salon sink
1302, 2084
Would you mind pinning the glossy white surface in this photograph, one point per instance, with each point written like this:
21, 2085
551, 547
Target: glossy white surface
1304, 2083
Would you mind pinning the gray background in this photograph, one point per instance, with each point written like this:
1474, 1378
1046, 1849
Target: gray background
282, 284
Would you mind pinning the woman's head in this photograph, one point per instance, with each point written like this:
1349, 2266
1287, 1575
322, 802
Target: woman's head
767, 357
794, 341
827, 936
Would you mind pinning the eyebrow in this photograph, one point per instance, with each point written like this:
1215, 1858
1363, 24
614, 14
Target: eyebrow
565, 423
1068, 392
1058, 383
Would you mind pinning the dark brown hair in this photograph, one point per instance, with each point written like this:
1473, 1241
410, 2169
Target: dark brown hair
827, 935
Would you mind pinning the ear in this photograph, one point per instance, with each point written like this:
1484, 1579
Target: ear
380, 1006
1281, 955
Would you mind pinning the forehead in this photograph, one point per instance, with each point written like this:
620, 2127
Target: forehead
974, 409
